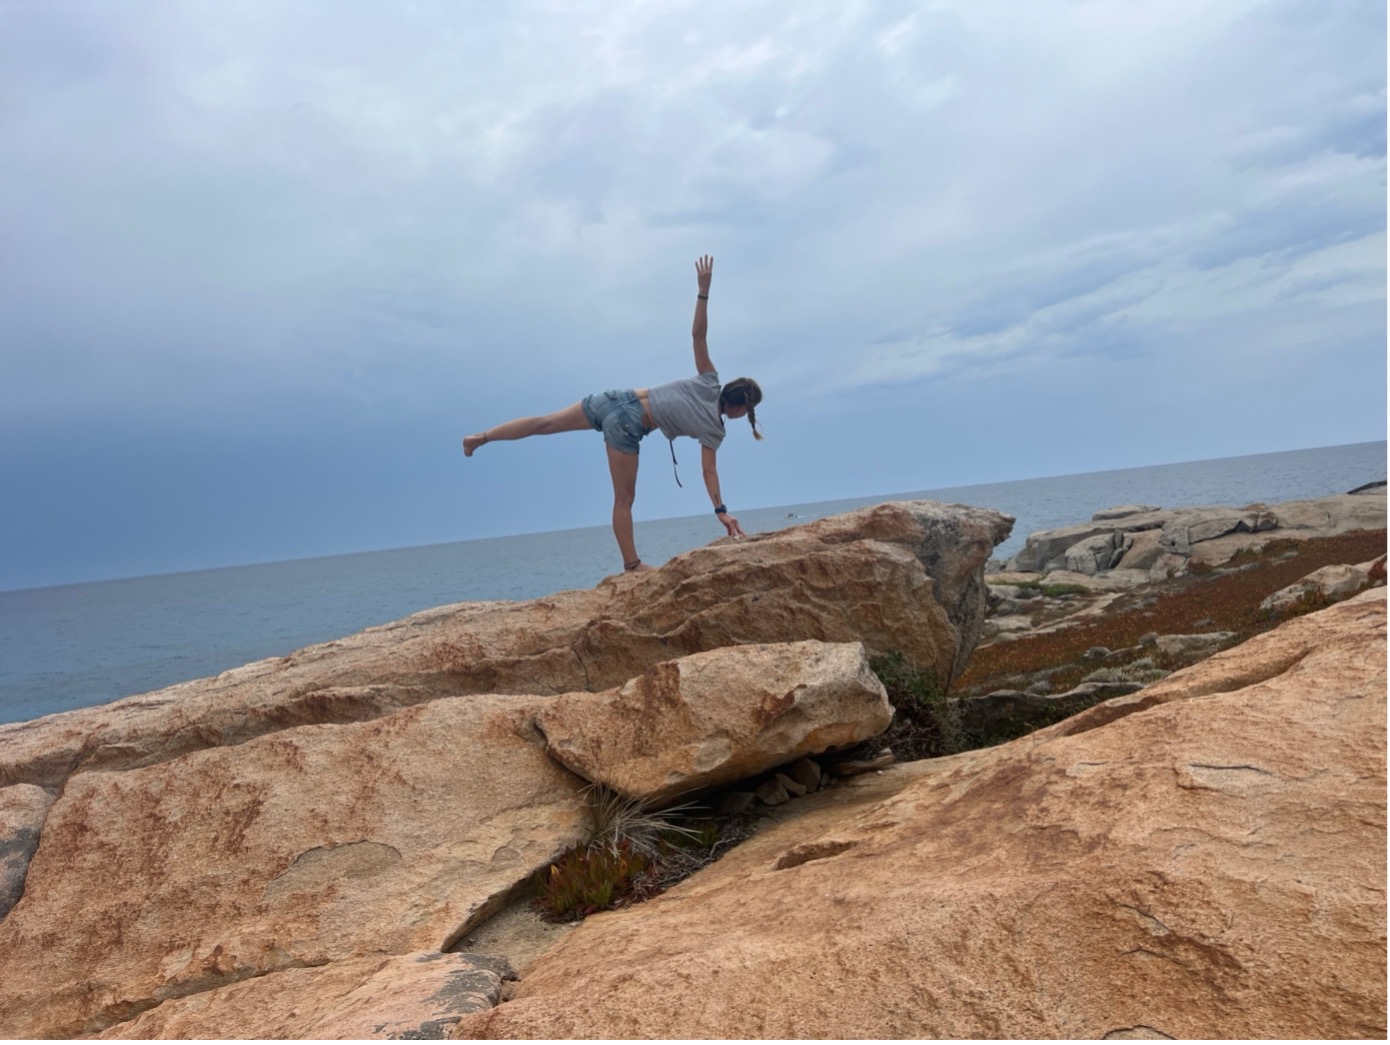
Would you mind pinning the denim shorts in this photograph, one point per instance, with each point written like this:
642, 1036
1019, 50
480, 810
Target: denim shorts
618, 415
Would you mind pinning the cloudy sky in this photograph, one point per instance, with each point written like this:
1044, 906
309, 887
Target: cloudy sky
263, 264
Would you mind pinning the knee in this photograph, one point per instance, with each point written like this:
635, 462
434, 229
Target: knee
623, 499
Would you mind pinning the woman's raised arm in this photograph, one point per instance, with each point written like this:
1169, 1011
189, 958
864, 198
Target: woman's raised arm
704, 271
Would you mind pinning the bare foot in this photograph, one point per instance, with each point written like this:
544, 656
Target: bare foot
472, 442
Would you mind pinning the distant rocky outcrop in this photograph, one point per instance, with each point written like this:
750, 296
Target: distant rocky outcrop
1205, 859
320, 822
1147, 543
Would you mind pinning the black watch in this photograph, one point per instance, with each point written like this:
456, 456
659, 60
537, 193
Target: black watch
721, 510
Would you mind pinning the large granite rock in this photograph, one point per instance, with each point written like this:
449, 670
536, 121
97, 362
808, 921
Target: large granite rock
1210, 864
712, 719
319, 845
905, 577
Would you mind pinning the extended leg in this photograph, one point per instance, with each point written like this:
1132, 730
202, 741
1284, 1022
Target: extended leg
623, 468
570, 419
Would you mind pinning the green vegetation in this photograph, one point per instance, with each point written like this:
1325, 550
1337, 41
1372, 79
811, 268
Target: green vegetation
589, 879
631, 852
926, 724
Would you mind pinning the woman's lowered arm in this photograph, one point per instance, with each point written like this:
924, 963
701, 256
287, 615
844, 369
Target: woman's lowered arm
704, 272
711, 474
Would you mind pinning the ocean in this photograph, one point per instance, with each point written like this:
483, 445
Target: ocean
78, 645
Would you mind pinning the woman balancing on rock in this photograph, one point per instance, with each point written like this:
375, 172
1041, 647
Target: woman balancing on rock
693, 406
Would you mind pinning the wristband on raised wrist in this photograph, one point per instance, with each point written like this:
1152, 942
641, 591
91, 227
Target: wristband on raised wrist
703, 297
721, 510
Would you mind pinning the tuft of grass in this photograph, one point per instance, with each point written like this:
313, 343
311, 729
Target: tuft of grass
926, 724
616, 821
631, 851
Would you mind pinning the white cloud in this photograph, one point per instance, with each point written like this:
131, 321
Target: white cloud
898, 190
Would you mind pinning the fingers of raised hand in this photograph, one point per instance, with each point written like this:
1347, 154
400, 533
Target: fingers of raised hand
704, 264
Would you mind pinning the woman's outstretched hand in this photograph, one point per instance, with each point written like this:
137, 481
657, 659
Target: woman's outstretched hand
731, 524
704, 271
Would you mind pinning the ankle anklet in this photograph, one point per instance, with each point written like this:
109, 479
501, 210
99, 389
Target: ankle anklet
628, 567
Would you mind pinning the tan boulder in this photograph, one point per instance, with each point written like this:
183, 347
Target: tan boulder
901, 577
715, 718
410, 996
1209, 866
312, 845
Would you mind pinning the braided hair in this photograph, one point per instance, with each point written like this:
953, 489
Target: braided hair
742, 391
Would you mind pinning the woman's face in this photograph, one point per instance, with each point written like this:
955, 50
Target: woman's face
735, 411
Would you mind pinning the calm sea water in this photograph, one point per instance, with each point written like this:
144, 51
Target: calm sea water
83, 644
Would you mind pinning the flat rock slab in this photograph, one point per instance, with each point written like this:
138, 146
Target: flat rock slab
714, 718
313, 845
1212, 866
414, 996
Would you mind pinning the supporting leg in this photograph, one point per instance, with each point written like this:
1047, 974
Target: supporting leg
623, 468
570, 419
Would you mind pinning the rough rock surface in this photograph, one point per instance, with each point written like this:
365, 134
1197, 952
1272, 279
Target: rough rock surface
22, 811
414, 996
713, 719
312, 845
1207, 864
903, 577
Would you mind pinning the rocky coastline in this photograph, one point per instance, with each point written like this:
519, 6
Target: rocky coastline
1130, 783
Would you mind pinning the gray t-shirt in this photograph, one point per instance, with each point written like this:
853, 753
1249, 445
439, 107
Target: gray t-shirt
690, 407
